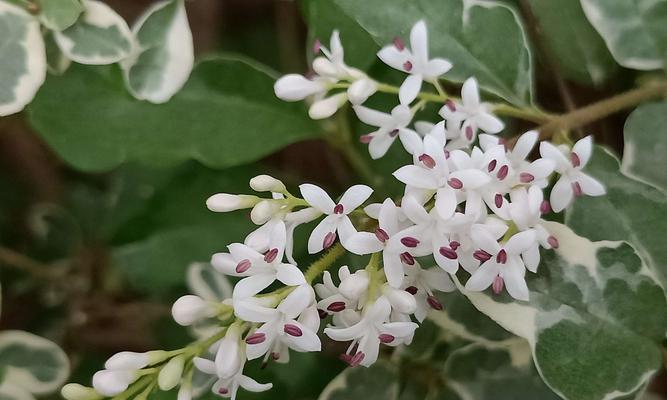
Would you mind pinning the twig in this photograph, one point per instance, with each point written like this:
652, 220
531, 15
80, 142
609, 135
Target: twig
16, 260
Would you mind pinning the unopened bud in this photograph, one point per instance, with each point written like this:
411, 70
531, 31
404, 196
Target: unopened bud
327, 107
264, 211
189, 309
267, 183
111, 383
353, 286
170, 374
127, 360
74, 391
225, 202
401, 300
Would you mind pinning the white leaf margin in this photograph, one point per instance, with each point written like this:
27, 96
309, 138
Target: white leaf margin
14, 392
32, 80
23, 378
180, 47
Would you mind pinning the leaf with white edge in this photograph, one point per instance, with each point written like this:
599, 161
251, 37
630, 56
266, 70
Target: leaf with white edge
22, 59
576, 47
10, 391
164, 56
56, 61
634, 30
227, 115
100, 36
32, 362
207, 283
377, 382
59, 15
586, 320
499, 371
459, 30
645, 135
631, 210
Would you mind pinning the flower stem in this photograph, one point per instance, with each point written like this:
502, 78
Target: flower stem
321, 265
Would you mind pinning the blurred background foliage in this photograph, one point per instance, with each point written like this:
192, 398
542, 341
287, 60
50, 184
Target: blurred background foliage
92, 254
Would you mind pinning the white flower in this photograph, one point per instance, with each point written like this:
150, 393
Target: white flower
260, 269
414, 61
390, 126
228, 387
421, 283
367, 334
351, 290
281, 329
472, 114
230, 355
336, 220
502, 265
573, 182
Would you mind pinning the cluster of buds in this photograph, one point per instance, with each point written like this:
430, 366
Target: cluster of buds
471, 200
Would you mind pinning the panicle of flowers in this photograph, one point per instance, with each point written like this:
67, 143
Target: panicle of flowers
471, 200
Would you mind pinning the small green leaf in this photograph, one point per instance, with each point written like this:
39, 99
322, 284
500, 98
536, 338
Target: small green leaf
22, 59
645, 135
227, 115
575, 46
166, 55
33, 363
586, 319
481, 39
100, 36
635, 31
377, 382
59, 15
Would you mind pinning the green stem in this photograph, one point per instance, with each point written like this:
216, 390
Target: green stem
321, 265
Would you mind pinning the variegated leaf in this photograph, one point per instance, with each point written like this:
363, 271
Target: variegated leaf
645, 135
378, 382
58, 15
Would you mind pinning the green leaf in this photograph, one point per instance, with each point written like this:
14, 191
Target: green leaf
227, 115
635, 31
33, 363
631, 210
378, 382
645, 135
481, 39
576, 47
166, 56
502, 371
22, 59
586, 319
59, 15
56, 61
10, 391
100, 36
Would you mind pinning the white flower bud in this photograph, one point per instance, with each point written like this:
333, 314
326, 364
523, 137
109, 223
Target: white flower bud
266, 183
110, 383
230, 356
189, 309
327, 107
354, 286
224, 202
264, 211
361, 90
400, 300
74, 391
294, 87
324, 67
185, 391
170, 374
127, 360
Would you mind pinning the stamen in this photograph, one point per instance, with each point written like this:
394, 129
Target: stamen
447, 252
407, 66
553, 242
469, 132
346, 358
386, 338
498, 284
275, 356
292, 330
381, 235
338, 209
412, 290
323, 314
336, 306
545, 207
576, 161
365, 139
243, 266
357, 359
393, 132
502, 172
498, 200
410, 241
454, 245
270, 256
427, 160
317, 46
223, 391
501, 257
576, 188
407, 258
255, 338
434, 303
446, 153
492, 165
329, 240
455, 183
525, 177
481, 255
399, 44
451, 105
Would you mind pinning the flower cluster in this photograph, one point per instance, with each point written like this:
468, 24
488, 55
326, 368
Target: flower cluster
471, 200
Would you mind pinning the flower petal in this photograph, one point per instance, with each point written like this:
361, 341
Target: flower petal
436, 67
317, 198
483, 277
393, 268
290, 275
391, 56
524, 145
561, 194
416, 176
308, 341
590, 186
583, 148
297, 301
484, 239
250, 286
354, 197
470, 94
550, 151
251, 385
521, 242
515, 283
410, 89
372, 117
362, 243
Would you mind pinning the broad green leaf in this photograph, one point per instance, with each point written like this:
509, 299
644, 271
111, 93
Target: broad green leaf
59, 15
499, 371
586, 319
482, 39
576, 47
227, 115
634, 30
631, 210
645, 135
165, 55
378, 382
100, 36
33, 363
22, 58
